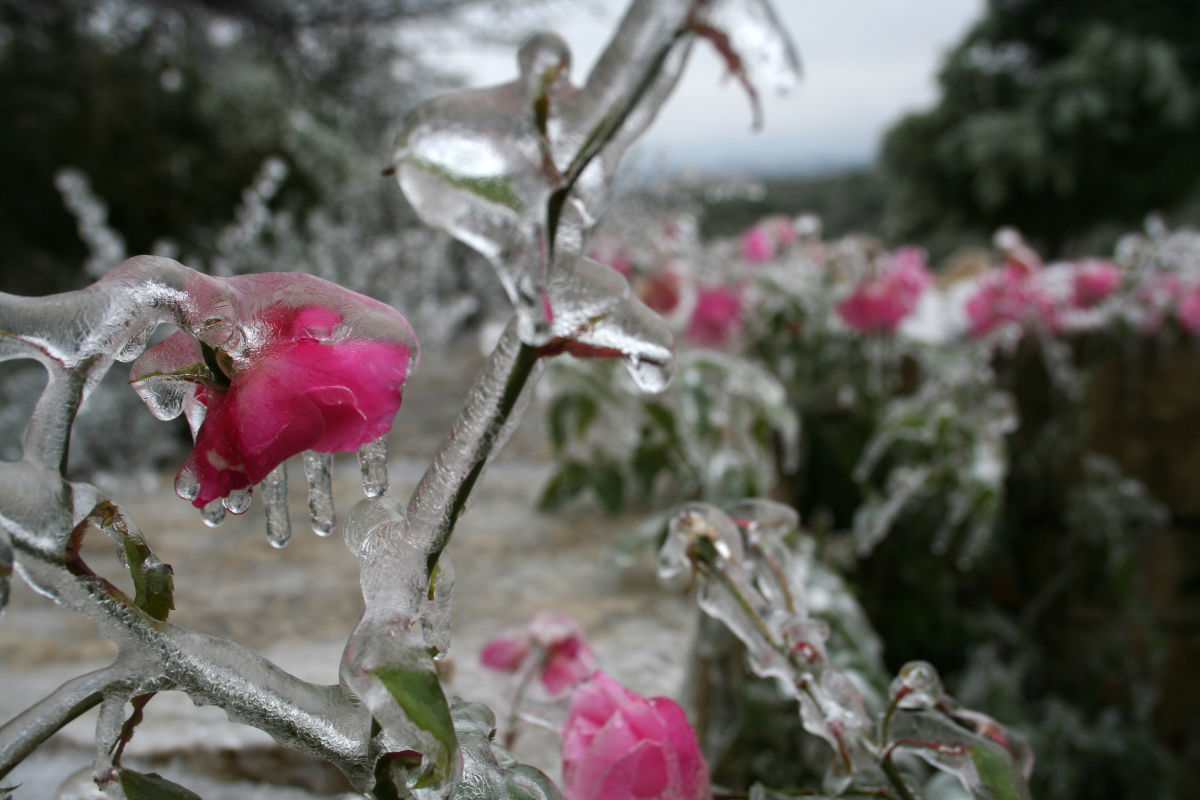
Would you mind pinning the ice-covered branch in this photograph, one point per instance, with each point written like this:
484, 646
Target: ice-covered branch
25, 732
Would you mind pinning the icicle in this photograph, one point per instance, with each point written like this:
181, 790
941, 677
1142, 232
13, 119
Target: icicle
238, 501
274, 497
320, 491
213, 514
372, 460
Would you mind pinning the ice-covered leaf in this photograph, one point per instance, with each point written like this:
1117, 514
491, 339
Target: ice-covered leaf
752, 43
521, 171
153, 581
997, 775
595, 315
992, 762
151, 786
419, 693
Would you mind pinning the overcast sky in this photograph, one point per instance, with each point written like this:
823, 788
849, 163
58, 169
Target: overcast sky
866, 62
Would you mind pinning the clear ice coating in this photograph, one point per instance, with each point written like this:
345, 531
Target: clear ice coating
952, 436
749, 584
596, 314
989, 759
317, 468
275, 504
521, 171
489, 771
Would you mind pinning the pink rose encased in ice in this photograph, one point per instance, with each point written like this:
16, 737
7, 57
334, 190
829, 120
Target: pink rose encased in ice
618, 745
277, 364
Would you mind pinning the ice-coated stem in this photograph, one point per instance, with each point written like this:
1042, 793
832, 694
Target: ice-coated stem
488, 418
321, 720
25, 732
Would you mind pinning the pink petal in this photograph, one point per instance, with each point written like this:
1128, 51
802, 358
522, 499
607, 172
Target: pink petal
504, 653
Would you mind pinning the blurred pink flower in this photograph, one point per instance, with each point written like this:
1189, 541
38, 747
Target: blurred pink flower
717, 318
1009, 295
612, 254
551, 643
758, 245
660, 290
1188, 310
879, 305
1157, 295
1019, 257
782, 230
272, 365
1092, 281
617, 745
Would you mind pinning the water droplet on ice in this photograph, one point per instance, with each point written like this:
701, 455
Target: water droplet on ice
651, 376
213, 514
238, 501
187, 486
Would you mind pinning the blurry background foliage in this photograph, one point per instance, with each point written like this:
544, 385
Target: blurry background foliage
247, 135
171, 107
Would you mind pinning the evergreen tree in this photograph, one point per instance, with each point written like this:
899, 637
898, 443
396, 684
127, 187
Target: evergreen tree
1055, 116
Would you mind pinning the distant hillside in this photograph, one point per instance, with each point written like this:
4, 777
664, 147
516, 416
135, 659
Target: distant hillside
846, 202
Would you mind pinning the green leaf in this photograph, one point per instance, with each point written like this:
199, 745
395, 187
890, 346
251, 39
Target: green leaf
6, 792
152, 786
998, 774
585, 412
497, 189
419, 694
609, 486
565, 486
648, 461
153, 581
567, 408
661, 416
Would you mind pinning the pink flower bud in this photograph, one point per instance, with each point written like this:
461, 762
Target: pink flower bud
618, 745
